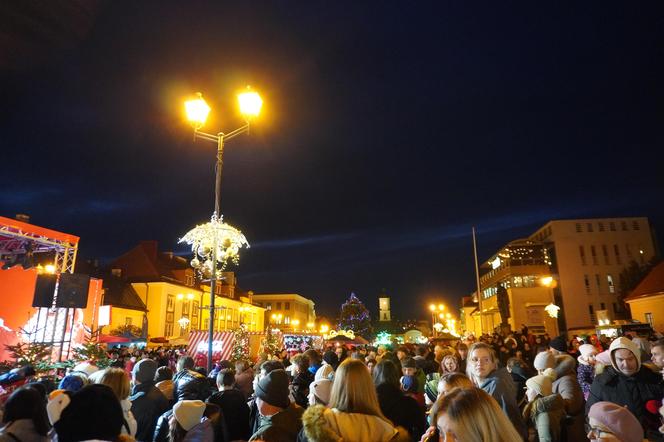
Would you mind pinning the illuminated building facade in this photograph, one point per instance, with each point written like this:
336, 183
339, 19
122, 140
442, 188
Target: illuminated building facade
288, 311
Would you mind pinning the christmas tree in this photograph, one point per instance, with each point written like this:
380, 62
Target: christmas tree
92, 351
240, 350
355, 316
270, 343
34, 354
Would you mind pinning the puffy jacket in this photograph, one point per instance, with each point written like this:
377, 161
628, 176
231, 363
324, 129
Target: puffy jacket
546, 414
147, 404
628, 391
190, 385
499, 384
325, 425
567, 386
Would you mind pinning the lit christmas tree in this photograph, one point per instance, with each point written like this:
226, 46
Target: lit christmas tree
240, 350
355, 316
270, 343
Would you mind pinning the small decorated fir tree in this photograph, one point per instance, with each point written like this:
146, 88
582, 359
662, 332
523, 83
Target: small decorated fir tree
270, 343
240, 350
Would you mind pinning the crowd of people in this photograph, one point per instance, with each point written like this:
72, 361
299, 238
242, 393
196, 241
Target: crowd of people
517, 387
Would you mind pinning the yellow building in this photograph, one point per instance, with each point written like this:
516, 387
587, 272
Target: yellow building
647, 300
588, 256
288, 311
521, 273
176, 303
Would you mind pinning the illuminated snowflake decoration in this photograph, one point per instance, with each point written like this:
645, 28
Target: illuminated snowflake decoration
202, 240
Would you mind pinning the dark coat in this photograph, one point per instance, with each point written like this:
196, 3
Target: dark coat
235, 411
402, 410
300, 388
190, 385
147, 404
281, 427
628, 391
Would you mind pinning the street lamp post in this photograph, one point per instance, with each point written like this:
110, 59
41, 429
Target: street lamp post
197, 112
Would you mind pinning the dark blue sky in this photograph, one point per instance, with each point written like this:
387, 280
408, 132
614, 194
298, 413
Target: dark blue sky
389, 130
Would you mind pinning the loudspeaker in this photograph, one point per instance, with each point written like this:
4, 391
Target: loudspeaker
44, 290
73, 290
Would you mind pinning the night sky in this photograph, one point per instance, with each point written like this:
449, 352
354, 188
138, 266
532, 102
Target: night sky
388, 130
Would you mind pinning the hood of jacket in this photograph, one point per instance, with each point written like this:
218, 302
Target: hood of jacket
624, 343
547, 404
565, 364
331, 425
496, 377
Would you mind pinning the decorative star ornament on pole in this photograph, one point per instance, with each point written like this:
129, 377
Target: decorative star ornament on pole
203, 239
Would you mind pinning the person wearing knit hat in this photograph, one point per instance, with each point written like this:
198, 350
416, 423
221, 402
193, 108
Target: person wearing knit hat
544, 360
558, 345
73, 382
545, 410
148, 403
92, 413
280, 419
627, 383
608, 419
319, 392
189, 413
585, 372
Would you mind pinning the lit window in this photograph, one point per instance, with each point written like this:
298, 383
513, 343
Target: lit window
635, 225
609, 280
579, 229
601, 226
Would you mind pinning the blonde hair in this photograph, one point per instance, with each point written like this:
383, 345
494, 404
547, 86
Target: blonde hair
118, 380
353, 390
477, 416
446, 357
469, 365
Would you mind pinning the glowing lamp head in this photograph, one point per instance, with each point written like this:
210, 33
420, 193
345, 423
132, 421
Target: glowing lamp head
441, 307
546, 281
250, 103
197, 111
432, 308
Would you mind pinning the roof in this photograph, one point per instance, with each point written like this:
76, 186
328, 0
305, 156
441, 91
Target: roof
119, 293
144, 263
651, 285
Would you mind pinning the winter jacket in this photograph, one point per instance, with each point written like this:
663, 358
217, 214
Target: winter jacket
22, 430
203, 432
235, 412
630, 391
331, 425
190, 385
281, 427
546, 414
585, 373
499, 384
147, 404
567, 386
402, 410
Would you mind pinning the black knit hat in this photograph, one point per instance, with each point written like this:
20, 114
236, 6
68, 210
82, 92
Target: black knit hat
273, 388
93, 413
558, 343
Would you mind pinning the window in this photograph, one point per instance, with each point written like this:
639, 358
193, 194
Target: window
612, 226
278, 305
579, 229
189, 280
170, 304
185, 308
601, 226
623, 225
582, 253
593, 253
649, 318
616, 251
586, 282
602, 306
615, 308
268, 306
287, 306
589, 226
605, 252
598, 281
168, 329
635, 225
287, 320
609, 280
629, 252
591, 310
195, 312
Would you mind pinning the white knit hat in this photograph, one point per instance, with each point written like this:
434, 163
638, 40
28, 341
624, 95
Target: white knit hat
189, 413
544, 359
587, 349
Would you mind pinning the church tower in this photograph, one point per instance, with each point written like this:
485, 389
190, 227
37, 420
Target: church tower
384, 307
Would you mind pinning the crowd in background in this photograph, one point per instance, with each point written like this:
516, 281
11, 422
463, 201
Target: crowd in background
516, 387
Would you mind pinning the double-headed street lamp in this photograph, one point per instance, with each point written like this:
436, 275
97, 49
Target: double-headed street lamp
435, 309
216, 242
